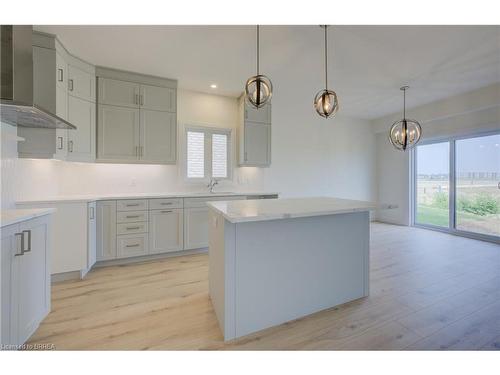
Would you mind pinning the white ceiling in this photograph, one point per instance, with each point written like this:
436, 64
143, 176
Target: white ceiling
367, 64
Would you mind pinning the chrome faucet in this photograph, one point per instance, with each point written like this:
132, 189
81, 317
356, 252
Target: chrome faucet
212, 184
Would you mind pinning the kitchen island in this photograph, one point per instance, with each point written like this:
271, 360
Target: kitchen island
272, 261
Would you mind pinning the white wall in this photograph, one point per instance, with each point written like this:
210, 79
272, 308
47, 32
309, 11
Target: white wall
310, 156
468, 113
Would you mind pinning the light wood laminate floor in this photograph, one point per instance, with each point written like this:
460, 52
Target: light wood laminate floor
429, 290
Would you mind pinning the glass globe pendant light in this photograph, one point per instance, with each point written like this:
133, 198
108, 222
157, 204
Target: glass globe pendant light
405, 133
258, 89
326, 102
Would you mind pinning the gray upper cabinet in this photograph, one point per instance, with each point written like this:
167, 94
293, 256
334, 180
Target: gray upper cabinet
118, 133
64, 85
261, 115
254, 135
81, 83
257, 144
158, 136
158, 98
137, 120
81, 142
118, 93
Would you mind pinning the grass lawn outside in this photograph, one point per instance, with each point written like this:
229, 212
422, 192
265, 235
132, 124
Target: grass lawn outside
432, 216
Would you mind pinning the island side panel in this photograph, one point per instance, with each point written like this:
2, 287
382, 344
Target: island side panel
221, 271
286, 269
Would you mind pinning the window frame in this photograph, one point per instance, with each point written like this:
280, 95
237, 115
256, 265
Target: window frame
208, 132
452, 187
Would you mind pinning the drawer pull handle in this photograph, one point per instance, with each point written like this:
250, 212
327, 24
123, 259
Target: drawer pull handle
133, 228
132, 216
166, 211
134, 245
166, 203
28, 243
132, 205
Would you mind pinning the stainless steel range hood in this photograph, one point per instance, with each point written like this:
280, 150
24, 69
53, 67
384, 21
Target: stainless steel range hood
17, 106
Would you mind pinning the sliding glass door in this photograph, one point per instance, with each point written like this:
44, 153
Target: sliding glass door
457, 186
433, 184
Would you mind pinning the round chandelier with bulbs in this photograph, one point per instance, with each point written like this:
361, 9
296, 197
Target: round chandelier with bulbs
259, 88
326, 102
405, 133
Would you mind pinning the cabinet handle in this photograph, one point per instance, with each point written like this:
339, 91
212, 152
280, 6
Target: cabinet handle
133, 228
141, 151
132, 205
19, 244
70, 146
28, 248
134, 245
166, 203
137, 151
60, 140
166, 211
91, 213
132, 216
60, 76
246, 158
136, 99
70, 84
142, 99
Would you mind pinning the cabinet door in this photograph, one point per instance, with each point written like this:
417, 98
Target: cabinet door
8, 245
165, 230
195, 228
118, 133
158, 98
81, 83
81, 141
92, 235
106, 230
119, 93
158, 136
261, 115
257, 144
31, 280
61, 72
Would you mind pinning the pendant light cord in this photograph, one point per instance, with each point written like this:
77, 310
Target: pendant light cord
257, 49
404, 104
326, 59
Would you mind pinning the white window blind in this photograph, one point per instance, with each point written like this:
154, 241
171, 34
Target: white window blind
219, 155
195, 154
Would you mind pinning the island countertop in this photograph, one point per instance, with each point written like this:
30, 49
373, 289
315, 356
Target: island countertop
273, 209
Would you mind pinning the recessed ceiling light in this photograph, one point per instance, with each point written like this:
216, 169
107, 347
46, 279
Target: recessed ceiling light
213, 86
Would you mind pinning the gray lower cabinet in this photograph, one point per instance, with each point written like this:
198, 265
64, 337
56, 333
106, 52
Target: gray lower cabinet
138, 227
195, 227
166, 230
25, 279
106, 230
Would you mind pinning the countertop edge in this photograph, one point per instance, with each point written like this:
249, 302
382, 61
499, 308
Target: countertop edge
20, 215
124, 197
263, 217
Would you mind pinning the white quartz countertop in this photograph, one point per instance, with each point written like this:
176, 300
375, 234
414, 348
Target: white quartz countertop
273, 209
14, 216
101, 197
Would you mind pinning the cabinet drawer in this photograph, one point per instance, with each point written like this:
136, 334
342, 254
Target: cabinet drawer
127, 228
132, 245
131, 216
159, 204
132, 205
202, 201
